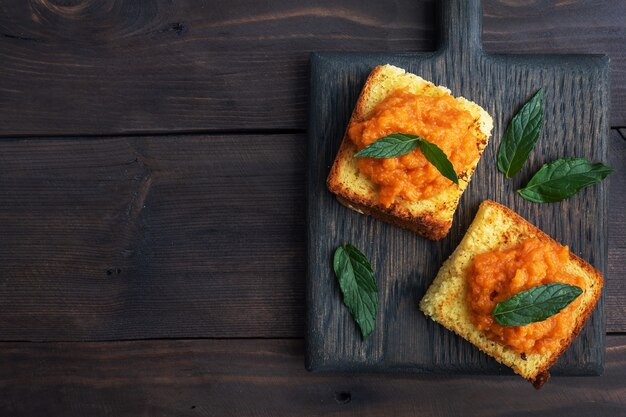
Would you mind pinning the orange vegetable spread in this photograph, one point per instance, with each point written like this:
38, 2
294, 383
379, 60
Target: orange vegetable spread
497, 275
439, 120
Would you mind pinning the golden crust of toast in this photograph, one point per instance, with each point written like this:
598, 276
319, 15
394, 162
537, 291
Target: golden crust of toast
431, 218
497, 227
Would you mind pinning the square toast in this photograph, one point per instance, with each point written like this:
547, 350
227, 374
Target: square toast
497, 227
431, 217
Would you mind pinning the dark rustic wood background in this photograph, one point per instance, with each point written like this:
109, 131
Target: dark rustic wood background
152, 187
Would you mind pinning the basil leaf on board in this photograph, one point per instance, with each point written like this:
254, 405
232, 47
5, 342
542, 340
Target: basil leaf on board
562, 179
358, 286
390, 146
435, 156
398, 144
521, 136
535, 304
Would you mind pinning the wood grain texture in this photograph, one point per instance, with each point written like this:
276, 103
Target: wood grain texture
156, 65
405, 263
615, 283
266, 378
562, 27
144, 237
98, 67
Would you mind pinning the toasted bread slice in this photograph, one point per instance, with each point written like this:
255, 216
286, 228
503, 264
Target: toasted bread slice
497, 227
432, 217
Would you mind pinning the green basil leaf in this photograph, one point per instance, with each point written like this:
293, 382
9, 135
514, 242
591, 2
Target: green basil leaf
562, 179
535, 304
358, 285
390, 146
521, 136
398, 144
435, 156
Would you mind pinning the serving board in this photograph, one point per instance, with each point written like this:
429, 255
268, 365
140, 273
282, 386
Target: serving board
575, 124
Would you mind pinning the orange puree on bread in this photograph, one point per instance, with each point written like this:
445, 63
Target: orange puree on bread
439, 120
499, 274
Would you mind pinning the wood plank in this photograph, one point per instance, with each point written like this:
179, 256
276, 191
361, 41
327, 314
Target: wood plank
158, 66
144, 237
149, 66
405, 264
267, 378
208, 254
615, 284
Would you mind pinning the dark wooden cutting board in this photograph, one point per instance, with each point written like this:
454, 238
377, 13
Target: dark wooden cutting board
575, 124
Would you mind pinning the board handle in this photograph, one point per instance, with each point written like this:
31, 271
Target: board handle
460, 25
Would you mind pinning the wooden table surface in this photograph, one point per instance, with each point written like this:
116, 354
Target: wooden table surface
152, 247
